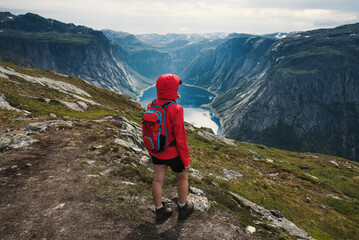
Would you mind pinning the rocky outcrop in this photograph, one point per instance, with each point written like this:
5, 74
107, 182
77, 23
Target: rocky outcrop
4, 105
275, 218
63, 87
209, 135
77, 106
16, 140
42, 126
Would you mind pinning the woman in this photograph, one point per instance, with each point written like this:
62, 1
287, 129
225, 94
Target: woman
176, 155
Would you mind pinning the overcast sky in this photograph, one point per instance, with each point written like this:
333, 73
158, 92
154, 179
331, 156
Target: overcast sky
176, 16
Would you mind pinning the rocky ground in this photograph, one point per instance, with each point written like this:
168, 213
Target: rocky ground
59, 187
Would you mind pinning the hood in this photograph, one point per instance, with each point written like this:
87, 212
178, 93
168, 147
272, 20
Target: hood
167, 86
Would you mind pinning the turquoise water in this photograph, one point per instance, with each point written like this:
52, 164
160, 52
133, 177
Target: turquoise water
191, 100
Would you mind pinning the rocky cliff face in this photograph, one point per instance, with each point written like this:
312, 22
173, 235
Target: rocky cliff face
304, 97
229, 64
48, 44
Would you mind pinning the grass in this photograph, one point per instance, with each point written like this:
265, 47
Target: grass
282, 184
74, 38
30, 96
288, 190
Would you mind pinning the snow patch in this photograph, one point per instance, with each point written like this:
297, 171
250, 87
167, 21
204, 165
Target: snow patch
280, 36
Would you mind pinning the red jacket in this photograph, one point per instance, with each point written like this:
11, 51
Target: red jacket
167, 86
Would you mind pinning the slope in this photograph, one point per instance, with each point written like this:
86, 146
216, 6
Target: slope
73, 166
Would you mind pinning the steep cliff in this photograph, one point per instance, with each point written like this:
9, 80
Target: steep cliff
307, 100
234, 61
77, 50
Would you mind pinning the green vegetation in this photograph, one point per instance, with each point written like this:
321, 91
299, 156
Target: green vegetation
285, 183
50, 37
280, 179
31, 96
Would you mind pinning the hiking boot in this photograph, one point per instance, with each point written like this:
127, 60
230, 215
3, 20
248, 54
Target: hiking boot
185, 211
163, 214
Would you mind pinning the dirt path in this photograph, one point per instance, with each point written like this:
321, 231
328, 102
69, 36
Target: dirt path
43, 195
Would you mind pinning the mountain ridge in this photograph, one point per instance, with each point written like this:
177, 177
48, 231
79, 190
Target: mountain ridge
32, 40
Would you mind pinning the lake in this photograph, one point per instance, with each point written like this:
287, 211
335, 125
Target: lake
192, 98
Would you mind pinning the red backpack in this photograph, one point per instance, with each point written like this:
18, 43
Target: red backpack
154, 127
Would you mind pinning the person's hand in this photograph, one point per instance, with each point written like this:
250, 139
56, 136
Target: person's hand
186, 169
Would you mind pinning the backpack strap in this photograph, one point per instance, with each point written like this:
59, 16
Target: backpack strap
167, 103
153, 102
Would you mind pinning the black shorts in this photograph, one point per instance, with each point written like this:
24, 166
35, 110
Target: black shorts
175, 163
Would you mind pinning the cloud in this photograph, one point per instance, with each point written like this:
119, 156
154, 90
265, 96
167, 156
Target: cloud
145, 16
184, 29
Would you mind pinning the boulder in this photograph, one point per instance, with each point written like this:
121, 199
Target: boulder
16, 141
334, 163
200, 202
41, 126
209, 135
195, 191
229, 174
254, 154
96, 147
195, 173
189, 127
250, 230
77, 106
128, 144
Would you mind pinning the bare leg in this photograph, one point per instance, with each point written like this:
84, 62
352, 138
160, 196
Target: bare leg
182, 186
158, 178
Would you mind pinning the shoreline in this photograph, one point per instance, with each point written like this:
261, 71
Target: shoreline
207, 105
142, 91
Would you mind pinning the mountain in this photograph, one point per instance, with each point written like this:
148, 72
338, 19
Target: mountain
154, 54
178, 40
143, 58
230, 63
72, 156
32, 40
298, 93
